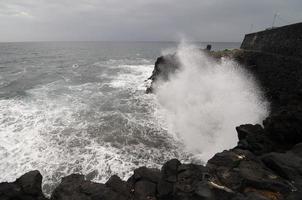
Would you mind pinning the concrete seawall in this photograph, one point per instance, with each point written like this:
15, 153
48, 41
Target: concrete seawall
285, 40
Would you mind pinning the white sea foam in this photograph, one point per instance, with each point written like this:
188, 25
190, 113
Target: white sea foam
132, 75
61, 129
125, 61
206, 100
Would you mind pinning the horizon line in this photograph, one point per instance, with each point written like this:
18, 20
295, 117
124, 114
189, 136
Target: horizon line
126, 41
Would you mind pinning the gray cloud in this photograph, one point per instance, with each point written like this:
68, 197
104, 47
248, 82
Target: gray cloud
204, 20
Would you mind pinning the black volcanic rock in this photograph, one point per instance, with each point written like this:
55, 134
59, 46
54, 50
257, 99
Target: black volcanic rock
170, 169
284, 125
287, 165
164, 67
231, 175
144, 190
144, 182
31, 183
27, 187
297, 150
164, 189
75, 187
118, 185
144, 173
253, 138
239, 170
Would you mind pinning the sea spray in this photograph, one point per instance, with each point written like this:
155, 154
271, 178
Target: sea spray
206, 99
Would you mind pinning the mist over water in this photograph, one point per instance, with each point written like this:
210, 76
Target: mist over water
205, 100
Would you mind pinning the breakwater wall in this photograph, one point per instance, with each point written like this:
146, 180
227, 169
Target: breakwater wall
285, 40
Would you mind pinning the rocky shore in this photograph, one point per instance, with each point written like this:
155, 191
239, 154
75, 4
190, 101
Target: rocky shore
265, 165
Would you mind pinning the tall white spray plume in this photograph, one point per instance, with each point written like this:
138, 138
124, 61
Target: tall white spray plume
205, 100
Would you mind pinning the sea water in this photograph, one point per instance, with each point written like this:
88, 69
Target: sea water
81, 107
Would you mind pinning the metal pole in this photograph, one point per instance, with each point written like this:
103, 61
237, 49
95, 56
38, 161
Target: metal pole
275, 16
252, 27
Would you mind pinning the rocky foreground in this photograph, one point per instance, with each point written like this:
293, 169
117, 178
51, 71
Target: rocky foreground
260, 167
265, 165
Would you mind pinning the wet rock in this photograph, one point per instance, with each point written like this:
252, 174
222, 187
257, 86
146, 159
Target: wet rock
287, 165
203, 190
27, 187
31, 183
95, 191
223, 195
69, 189
256, 196
229, 159
191, 173
254, 139
225, 167
170, 169
164, 189
144, 173
192, 182
75, 187
164, 67
145, 190
118, 185
239, 169
294, 195
10, 191
255, 175
297, 150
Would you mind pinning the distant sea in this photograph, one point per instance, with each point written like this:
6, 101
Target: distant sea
81, 107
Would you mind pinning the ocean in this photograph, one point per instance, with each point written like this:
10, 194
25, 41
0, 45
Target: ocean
81, 107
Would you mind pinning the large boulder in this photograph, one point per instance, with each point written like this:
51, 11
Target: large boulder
253, 138
27, 187
75, 187
144, 173
118, 185
169, 173
192, 181
144, 182
169, 170
144, 190
240, 171
287, 165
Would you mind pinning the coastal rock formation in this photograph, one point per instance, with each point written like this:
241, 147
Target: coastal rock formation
27, 187
164, 67
265, 165
235, 174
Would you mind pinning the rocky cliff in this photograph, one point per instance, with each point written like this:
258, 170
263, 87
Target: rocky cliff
265, 165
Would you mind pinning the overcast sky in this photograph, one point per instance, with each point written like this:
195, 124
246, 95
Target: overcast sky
140, 20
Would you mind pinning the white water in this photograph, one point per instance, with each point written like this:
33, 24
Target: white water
206, 100
105, 128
